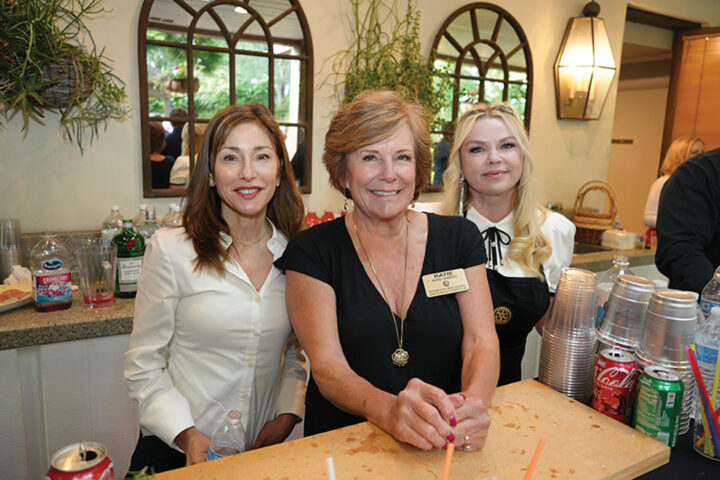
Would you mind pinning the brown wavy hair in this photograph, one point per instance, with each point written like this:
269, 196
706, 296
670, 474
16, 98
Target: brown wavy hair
202, 217
373, 116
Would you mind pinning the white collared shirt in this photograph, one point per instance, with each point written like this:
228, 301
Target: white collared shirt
202, 345
558, 230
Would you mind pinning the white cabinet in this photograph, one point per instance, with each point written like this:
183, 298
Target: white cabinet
62, 393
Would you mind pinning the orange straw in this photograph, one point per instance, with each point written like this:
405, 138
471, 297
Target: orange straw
534, 460
448, 460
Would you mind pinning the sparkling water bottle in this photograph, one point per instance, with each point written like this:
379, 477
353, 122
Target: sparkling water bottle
710, 296
150, 225
229, 438
620, 265
172, 218
112, 225
50, 267
130, 251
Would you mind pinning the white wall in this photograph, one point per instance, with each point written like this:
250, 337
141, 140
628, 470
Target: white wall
48, 185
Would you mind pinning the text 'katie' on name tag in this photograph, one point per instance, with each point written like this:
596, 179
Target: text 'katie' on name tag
445, 283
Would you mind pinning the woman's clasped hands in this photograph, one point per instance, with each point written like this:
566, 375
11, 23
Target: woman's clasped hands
427, 417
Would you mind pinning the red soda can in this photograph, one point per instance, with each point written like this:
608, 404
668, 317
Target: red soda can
614, 385
81, 461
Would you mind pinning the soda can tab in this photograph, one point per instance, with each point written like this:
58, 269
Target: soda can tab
81, 461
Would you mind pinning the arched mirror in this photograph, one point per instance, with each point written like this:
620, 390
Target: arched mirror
486, 57
198, 56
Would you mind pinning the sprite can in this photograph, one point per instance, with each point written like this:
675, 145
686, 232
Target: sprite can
659, 404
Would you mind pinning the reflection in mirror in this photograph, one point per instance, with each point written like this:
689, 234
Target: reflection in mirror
487, 58
196, 57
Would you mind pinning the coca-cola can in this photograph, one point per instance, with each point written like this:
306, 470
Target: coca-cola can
614, 385
81, 461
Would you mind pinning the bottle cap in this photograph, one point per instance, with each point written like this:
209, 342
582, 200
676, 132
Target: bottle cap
115, 208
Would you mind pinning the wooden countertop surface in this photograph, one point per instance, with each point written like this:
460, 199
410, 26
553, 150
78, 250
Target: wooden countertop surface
581, 444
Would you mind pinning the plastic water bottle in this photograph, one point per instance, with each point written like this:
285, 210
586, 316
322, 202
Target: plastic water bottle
229, 438
710, 296
707, 344
150, 225
112, 225
139, 219
621, 264
50, 267
172, 218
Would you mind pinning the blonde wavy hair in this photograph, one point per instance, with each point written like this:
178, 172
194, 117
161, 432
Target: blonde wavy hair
529, 247
679, 151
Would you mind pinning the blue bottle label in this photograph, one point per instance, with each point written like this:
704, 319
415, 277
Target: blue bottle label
212, 454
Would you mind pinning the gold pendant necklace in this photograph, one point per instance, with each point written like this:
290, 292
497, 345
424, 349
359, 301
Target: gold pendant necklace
256, 241
400, 356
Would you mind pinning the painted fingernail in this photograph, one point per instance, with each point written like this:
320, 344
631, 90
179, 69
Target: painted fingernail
445, 446
463, 395
451, 437
453, 421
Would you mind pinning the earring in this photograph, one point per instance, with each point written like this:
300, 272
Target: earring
461, 209
346, 206
278, 183
212, 180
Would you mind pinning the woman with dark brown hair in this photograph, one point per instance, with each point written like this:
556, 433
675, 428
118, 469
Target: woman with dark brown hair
391, 305
160, 164
211, 331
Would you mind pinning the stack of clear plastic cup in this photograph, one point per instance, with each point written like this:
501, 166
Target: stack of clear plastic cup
624, 318
569, 339
670, 326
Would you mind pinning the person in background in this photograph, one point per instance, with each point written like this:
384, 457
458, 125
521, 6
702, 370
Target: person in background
489, 180
173, 139
181, 169
680, 150
160, 165
211, 331
418, 360
298, 164
688, 223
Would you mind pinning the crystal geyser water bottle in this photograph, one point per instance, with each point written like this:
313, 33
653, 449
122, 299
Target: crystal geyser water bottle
228, 438
50, 267
710, 296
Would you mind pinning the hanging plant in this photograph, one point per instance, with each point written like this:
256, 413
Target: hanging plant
178, 81
385, 53
49, 62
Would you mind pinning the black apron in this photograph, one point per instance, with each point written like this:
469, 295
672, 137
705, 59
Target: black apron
518, 302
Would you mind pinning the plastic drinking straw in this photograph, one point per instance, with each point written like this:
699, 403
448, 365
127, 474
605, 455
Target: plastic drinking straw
448, 460
715, 381
533, 462
330, 468
706, 437
705, 399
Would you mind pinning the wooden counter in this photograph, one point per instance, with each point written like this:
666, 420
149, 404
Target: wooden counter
581, 444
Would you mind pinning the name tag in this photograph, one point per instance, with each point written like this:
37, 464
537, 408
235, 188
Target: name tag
445, 283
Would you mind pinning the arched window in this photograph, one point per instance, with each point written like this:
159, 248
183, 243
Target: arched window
487, 58
203, 55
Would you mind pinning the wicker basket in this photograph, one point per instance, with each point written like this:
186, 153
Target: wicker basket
181, 85
591, 225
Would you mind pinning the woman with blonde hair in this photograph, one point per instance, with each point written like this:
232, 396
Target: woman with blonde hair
211, 331
180, 172
489, 181
388, 340
681, 149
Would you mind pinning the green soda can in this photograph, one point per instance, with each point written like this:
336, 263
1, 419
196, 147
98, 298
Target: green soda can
659, 404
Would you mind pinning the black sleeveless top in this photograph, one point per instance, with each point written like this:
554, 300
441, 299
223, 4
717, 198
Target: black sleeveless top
433, 327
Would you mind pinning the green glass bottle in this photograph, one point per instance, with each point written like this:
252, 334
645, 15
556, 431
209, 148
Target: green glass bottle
130, 251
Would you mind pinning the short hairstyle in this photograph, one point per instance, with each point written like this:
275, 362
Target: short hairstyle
157, 137
529, 247
178, 112
202, 217
679, 151
373, 116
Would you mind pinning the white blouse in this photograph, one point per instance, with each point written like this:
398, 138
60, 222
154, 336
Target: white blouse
558, 230
202, 345
651, 205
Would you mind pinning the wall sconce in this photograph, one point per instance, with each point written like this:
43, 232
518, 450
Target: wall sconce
585, 67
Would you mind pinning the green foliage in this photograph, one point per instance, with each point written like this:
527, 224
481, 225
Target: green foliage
385, 54
38, 37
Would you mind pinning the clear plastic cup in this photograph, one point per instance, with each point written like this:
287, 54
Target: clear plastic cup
624, 318
10, 246
669, 326
573, 311
97, 263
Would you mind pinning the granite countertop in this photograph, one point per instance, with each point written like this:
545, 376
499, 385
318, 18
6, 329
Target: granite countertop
24, 327
600, 261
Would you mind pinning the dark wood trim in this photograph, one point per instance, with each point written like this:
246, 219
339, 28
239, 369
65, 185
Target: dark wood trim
304, 122
638, 15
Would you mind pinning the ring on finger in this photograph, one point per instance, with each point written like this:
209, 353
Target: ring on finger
466, 443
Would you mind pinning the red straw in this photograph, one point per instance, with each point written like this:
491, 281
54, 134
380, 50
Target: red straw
533, 462
705, 399
448, 460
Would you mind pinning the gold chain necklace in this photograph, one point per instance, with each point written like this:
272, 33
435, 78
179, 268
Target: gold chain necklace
257, 240
400, 356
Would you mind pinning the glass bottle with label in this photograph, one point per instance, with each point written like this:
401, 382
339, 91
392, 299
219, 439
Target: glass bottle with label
131, 248
50, 267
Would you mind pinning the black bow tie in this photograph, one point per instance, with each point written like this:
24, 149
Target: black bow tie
494, 238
